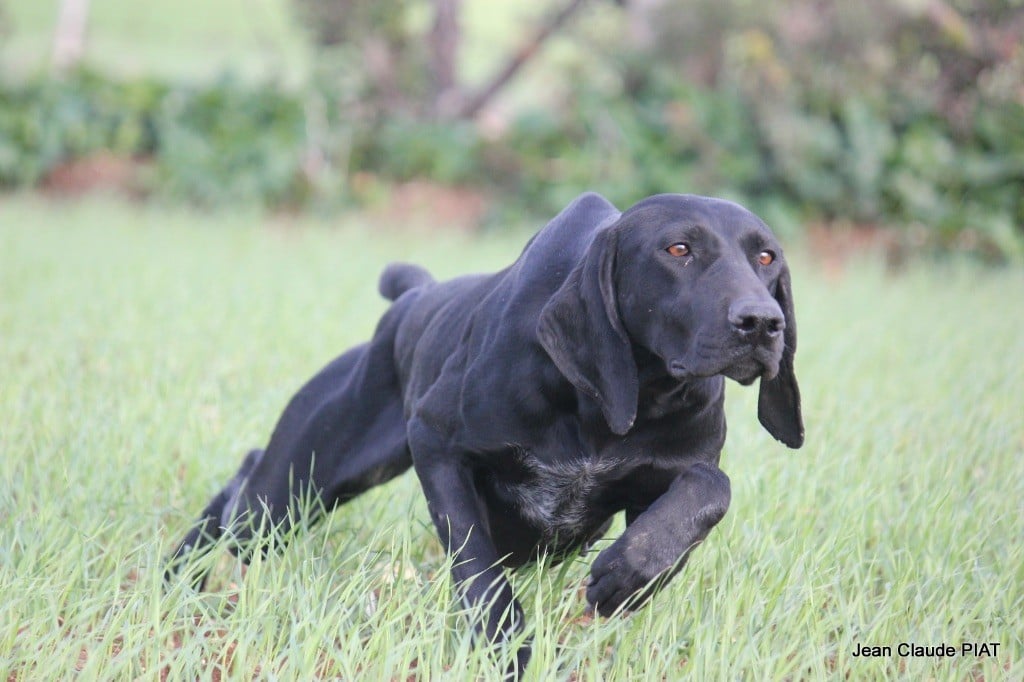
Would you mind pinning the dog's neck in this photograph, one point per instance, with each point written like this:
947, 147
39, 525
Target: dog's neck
652, 373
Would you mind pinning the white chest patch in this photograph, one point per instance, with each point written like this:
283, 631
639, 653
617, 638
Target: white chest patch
556, 497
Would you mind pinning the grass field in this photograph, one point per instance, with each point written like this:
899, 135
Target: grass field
142, 350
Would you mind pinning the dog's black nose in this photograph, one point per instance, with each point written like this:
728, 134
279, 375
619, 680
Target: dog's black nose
757, 321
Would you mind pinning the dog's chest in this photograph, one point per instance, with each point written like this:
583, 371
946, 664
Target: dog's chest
562, 499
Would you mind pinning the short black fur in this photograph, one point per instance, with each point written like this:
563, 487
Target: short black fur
536, 403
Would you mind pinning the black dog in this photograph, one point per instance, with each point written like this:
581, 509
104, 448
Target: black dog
535, 403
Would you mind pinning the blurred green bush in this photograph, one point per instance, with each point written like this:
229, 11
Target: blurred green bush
45, 122
855, 159
900, 114
211, 145
894, 113
231, 143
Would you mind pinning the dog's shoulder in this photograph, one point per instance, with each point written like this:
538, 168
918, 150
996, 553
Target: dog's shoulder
552, 253
568, 234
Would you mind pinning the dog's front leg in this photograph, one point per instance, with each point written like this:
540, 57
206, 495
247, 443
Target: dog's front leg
458, 514
657, 542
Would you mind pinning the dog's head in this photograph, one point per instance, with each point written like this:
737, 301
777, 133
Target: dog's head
702, 285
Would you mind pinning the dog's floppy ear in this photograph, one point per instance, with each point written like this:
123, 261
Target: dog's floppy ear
778, 403
580, 329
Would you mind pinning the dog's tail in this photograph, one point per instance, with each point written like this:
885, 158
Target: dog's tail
398, 278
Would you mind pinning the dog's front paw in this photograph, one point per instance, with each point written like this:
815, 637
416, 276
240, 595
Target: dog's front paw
618, 577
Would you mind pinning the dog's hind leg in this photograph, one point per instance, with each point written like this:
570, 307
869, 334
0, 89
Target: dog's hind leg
208, 528
341, 434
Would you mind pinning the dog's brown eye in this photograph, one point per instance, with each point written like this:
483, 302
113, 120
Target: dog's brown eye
679, 250
766, 257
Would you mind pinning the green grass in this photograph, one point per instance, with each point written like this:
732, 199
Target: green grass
142, 350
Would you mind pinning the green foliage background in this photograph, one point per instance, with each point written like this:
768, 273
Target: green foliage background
875, 113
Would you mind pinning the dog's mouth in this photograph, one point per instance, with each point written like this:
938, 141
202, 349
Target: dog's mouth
745, 365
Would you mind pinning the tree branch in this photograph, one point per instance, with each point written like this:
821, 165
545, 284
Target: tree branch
475, 103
